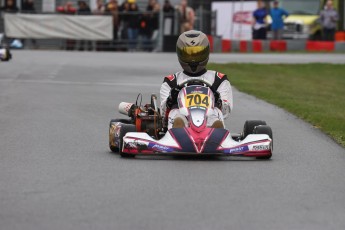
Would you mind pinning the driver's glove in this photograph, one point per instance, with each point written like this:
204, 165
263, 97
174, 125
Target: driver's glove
172, 99
217, 100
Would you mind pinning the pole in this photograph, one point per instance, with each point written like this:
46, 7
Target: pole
241, 23
232, 21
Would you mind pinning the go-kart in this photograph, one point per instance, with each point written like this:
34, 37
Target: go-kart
146, 131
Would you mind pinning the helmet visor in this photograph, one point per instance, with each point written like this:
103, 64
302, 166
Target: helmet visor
193, 54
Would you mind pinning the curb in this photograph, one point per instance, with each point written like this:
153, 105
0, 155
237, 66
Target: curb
259, 46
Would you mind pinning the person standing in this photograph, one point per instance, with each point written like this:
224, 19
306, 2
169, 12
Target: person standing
112, 8
28, 7
69, 9
10, 7
278, 14
167, 7
259, 23
149, 24
329, 17
186, 16
124, 18
84, 9
146, 29
100, 10
133, 25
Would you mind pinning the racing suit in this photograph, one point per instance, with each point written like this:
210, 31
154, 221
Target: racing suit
219, 82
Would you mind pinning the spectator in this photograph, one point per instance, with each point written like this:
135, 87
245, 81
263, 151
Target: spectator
329, 17
84, 9
186, 16
124, 18
133, 24
112, 8
29, 8
259, 23
100, 10
149, 23
169, 16
167, 7
10, 7
155, 20
277, 15
68, 8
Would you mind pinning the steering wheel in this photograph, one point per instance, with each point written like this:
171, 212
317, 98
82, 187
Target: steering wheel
196, 80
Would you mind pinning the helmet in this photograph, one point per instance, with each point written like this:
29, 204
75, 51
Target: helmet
193, 50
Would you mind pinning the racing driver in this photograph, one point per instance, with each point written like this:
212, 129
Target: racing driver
5, 54
193, 50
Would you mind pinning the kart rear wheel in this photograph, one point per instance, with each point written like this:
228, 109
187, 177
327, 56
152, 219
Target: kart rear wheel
250, 125
264, 129
112, 144
125, 128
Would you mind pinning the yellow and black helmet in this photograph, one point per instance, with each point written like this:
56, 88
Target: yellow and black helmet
193, 50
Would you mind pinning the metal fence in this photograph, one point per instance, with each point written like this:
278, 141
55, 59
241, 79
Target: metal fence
158, 38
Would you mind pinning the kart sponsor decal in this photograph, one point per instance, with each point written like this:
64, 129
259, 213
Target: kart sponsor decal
160, 148
261, 147
237, 149
242, 17
135, 145
114, 133
196, 88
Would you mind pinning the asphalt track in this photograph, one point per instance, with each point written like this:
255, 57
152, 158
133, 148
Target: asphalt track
56, 171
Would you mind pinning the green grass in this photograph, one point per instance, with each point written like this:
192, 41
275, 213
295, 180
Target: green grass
313, 92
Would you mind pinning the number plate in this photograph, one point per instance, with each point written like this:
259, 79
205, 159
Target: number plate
197, 100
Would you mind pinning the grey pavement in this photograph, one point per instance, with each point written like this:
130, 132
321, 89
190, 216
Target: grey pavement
56, 171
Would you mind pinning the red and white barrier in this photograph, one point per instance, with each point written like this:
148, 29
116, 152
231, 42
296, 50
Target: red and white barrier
258, 46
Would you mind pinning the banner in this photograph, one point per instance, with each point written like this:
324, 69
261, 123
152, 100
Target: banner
234, 19
58, 26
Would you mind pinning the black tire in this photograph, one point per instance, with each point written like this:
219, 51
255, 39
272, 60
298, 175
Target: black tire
249, 127
113, 148
264, 129
125, 128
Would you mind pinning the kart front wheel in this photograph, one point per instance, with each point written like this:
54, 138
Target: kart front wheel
112, 144
249, 127
125, 128
264, 129
114, 123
